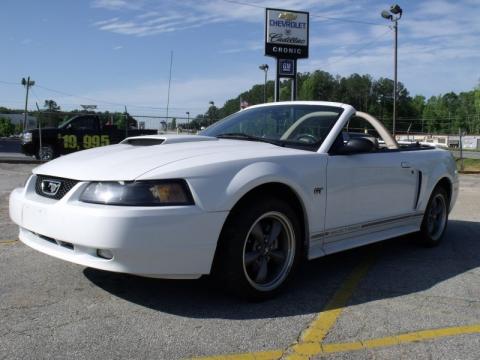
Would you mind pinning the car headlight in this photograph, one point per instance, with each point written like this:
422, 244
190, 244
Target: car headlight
138, 193
27, 137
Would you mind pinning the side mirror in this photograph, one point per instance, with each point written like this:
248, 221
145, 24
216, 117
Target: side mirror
357, 146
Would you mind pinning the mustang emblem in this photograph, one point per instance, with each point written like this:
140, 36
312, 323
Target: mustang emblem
50, 187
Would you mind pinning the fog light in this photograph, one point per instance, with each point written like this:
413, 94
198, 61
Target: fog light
105, 254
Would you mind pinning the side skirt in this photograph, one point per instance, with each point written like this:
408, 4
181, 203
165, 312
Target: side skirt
352, 236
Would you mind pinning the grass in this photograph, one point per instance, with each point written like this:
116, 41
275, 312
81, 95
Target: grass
469, 164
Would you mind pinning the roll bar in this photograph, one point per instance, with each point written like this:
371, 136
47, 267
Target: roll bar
381, 130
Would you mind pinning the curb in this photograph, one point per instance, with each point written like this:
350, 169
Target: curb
21, 161
467, 172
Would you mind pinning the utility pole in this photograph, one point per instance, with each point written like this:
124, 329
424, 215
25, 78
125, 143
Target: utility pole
395, 66
126, 122
27, 83
394, 14
39, 132
264, 67
169, 83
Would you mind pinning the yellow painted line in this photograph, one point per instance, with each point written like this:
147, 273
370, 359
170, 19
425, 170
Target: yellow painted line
306, 350
8, 241
406, 338
315, 333
311, 338
325, 320
260, 355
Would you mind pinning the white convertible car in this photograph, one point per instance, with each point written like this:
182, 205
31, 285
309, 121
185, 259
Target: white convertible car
247, 200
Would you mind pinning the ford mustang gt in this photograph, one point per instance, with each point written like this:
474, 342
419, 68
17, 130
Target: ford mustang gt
246, 200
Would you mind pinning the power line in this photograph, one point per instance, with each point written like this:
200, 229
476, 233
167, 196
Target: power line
108, 102
9, 83
312, 15
76, 96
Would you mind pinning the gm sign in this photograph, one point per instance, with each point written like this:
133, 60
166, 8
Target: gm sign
286, 34
286, 68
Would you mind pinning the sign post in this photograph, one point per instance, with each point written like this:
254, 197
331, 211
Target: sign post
286, 39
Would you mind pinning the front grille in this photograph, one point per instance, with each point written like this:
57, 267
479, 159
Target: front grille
65, 186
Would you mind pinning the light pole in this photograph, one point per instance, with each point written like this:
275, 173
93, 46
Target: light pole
27, 83
264, 67
211, 112
394, 14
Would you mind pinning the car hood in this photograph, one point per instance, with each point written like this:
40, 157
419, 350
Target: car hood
127, 162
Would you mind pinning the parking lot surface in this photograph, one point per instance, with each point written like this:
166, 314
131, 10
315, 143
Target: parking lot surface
393, 300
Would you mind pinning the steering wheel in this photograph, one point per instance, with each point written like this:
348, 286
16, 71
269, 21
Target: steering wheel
306, 138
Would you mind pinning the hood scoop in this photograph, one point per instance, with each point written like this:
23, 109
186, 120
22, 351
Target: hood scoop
149, 140
142, 142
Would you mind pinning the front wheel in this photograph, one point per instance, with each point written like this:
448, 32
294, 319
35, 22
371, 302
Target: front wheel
45, 153
259, 248
435, 218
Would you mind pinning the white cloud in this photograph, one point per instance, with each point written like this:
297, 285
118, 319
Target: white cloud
118, 47
117, 4
249, 46
188, 14
439, 40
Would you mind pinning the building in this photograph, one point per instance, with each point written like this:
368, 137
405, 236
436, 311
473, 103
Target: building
469, 142
18, 119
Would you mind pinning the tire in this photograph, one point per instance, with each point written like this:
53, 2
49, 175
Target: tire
46, 153
435, 219
259, 249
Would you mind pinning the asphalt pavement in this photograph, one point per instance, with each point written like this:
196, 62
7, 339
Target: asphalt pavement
393, 300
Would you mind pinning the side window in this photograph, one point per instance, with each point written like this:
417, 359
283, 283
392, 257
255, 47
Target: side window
84, 123
316, 126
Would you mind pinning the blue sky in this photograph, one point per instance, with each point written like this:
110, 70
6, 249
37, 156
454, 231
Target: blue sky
114, 52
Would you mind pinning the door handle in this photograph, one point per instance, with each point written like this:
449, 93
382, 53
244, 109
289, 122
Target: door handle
406, 165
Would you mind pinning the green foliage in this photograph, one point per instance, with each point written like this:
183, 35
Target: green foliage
439, 114
6, 127
173, 124
51, 105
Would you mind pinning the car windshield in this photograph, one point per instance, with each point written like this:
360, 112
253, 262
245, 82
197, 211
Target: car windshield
302, 126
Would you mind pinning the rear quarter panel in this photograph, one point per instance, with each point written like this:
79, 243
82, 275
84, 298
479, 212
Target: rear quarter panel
435, 164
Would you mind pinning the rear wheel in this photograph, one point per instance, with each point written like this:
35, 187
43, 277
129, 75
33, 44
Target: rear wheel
259, 249
435, 218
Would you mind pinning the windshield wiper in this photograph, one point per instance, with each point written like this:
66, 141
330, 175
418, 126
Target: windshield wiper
243, 136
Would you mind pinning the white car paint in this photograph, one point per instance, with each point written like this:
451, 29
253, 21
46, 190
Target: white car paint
348, 201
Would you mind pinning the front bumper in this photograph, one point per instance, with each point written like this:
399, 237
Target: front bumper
165, 242
28, 148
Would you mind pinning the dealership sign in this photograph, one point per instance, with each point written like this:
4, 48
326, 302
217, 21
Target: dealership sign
286, 34
287, 68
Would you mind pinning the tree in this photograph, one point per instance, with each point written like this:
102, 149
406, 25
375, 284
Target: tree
212, 114
320, 85
6, 127
51, 105
52, 115
173, 124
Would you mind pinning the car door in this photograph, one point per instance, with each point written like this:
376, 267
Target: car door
77, 134
365, 188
